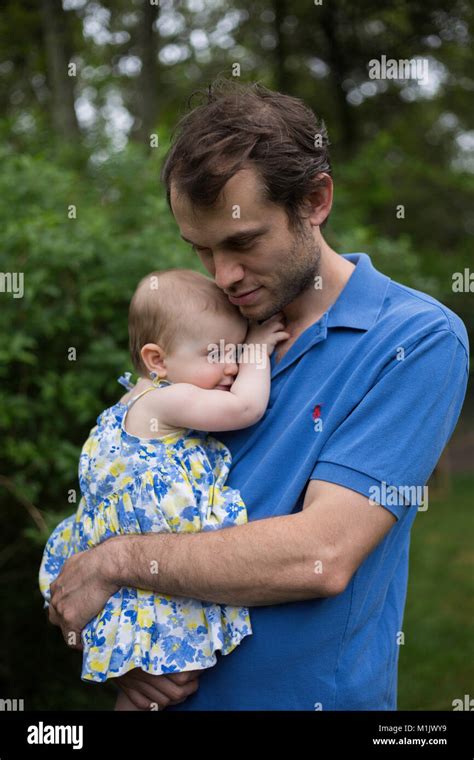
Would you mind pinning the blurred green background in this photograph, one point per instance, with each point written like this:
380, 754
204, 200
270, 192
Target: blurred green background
79, 135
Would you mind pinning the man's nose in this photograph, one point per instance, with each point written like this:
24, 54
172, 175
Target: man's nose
227, 273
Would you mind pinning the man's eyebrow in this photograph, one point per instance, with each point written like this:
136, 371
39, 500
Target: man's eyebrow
237, 237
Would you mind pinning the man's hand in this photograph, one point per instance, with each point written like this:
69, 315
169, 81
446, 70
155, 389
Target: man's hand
146, 689
79, 592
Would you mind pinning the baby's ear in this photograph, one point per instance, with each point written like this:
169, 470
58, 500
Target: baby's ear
153, 357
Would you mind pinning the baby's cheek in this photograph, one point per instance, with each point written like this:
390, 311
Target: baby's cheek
213, 371
200, 372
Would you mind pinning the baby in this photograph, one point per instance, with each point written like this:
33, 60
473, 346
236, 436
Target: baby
150, 465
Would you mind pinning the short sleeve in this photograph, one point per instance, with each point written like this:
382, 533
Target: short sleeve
391, 441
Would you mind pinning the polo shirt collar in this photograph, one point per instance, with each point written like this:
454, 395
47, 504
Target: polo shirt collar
357, 307
360, 301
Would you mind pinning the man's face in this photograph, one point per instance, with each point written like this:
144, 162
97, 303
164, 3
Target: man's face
245, 244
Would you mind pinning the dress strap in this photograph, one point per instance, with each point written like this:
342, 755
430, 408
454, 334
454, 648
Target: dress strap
157, 384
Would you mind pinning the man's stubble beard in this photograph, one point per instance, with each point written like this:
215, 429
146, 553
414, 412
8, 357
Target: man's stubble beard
297, 275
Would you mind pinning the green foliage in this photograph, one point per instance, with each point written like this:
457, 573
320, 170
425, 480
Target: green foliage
437, 659
420, 246
79, 275
64, 343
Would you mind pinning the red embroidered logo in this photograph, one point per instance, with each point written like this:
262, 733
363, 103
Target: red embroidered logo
317, 412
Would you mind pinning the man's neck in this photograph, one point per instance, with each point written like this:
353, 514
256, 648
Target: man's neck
309, 307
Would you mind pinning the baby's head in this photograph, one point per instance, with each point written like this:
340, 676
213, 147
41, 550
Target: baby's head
174, 315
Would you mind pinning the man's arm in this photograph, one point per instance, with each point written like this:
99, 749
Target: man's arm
312, 553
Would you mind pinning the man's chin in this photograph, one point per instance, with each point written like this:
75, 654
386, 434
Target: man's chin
255, 313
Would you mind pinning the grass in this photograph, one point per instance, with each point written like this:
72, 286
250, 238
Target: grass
437, 659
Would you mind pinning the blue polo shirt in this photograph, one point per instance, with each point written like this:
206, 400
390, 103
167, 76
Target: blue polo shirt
384, 371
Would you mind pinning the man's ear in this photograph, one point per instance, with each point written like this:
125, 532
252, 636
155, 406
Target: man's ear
319, 202
154, 359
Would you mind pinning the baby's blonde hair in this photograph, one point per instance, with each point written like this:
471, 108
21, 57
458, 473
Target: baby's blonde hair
165, 309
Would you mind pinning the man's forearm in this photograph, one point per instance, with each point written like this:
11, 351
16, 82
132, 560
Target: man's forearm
263, 562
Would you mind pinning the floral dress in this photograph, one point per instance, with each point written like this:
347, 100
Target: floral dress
174, 483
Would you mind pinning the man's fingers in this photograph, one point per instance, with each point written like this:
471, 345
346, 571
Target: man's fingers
161, 687
72, 638
138, 699
77, 642
139, 682
182, 678
53, 615
175, 692
161, 692
146, 697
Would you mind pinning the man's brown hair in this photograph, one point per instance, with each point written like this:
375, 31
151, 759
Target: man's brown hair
244, 125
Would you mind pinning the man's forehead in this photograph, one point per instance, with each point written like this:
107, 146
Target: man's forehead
243, 189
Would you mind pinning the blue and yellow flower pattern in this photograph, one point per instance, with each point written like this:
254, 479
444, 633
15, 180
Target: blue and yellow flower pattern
175, 483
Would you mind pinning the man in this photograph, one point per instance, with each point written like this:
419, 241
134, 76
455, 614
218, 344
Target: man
365, 394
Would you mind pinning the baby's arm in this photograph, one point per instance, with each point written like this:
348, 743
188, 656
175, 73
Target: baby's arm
187, 405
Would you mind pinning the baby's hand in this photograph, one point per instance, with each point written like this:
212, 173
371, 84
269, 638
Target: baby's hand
269, 333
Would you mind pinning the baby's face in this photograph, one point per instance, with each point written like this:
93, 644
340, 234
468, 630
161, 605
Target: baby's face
192, 360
